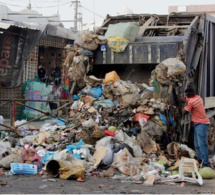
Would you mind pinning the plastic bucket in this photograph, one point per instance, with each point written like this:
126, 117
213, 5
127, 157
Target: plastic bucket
23, 169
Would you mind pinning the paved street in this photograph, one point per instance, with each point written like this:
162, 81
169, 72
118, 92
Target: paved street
18, 184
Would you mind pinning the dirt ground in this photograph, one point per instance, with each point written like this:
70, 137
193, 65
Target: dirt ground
35, 184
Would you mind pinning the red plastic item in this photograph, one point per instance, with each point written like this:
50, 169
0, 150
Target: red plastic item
80, 179
109, 133
31, 155
139, 115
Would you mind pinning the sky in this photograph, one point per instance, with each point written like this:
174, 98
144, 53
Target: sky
92, 10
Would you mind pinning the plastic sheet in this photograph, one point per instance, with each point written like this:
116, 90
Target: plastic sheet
96, 92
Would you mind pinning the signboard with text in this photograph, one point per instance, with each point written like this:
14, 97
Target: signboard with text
11, 59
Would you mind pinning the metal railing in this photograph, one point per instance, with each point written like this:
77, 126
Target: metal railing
13, 103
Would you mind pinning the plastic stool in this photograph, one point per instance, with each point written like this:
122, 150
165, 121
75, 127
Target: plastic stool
189, 166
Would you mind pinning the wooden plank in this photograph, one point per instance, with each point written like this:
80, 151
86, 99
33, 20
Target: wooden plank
209, 102
169, 27
145, 25
210, 113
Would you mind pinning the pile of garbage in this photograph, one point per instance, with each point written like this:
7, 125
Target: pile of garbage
116, 129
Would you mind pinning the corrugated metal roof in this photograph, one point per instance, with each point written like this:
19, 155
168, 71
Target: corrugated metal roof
6, 25
59, 31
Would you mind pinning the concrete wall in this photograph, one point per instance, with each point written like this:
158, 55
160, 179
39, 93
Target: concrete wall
192, 8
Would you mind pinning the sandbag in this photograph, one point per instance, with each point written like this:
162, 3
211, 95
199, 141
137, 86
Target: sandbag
117, 44
161, 73
120, 35
86, 41
127, 30
175, 66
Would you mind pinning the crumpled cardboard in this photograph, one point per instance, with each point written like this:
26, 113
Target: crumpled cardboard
146, 143
99, 155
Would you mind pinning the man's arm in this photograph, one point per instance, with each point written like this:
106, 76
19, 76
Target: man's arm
187, 108
184, 112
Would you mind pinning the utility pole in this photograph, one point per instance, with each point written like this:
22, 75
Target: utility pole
58, 8
76, 15
29, 5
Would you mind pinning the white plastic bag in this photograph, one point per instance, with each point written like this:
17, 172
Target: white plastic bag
142, 121
89, 123
23, 128
1, 119
191, 152
105, 141
137, 151
108, 159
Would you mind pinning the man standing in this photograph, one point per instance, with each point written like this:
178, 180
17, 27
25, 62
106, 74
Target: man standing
201, 124
54, 95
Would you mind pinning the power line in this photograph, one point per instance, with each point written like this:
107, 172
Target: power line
36, 7
92, 12
42, 1
11, 4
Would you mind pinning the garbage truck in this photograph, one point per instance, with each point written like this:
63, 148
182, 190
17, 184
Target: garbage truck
183, 35
159, 37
